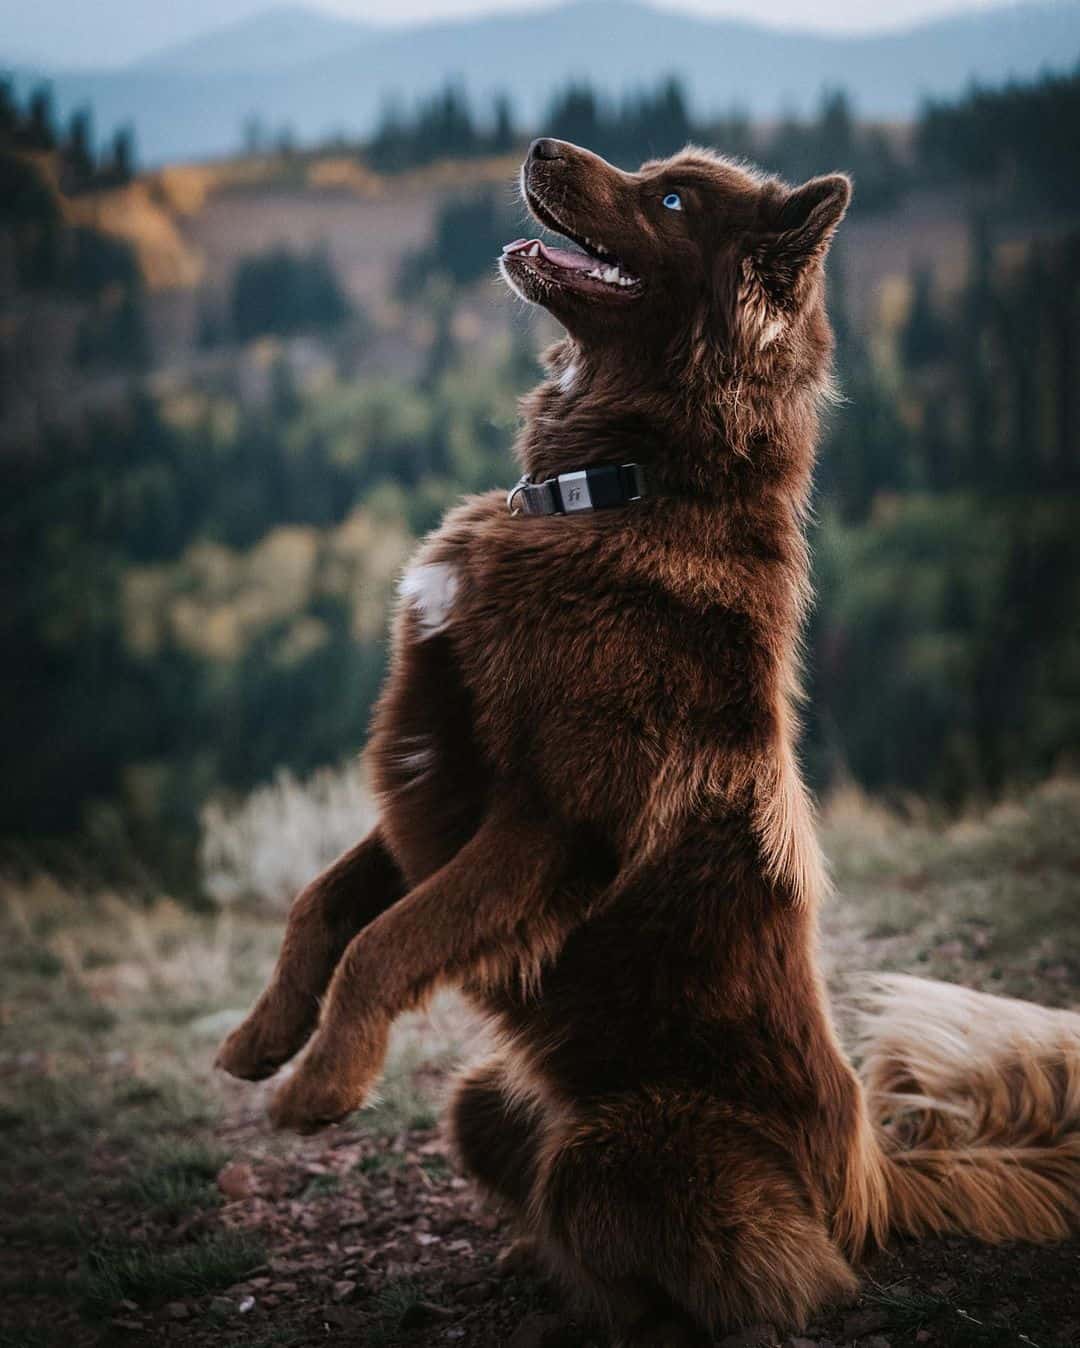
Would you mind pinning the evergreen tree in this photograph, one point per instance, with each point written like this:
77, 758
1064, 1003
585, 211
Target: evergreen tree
503, 135
39, 128
924, 339
122, 158
78, 151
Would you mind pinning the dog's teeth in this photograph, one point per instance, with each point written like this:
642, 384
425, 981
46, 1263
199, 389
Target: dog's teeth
597, 273
611, 274
534, 251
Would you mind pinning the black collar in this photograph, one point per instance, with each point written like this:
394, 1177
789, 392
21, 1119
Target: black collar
597, 488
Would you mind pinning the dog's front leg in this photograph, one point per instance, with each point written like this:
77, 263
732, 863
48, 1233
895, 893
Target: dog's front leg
495, 911
322, 921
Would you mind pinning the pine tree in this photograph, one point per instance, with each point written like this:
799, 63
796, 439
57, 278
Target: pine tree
122, 166
503, 135
39, 129
77, 149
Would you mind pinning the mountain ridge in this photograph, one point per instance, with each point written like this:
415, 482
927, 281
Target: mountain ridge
347, 72
275, 39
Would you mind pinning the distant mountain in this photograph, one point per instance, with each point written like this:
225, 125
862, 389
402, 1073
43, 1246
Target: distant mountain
272, 41
93, 34
193, 101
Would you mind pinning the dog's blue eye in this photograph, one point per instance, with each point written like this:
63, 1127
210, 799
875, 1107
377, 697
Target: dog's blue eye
673, 201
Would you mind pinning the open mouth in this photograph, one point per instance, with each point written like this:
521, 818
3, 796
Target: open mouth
590, 267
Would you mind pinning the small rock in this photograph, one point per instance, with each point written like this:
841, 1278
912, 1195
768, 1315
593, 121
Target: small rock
127, 1305
236, 1180
754, 1336
221, 1306
177, 1310
135, 1326
246, 1304
342, 1291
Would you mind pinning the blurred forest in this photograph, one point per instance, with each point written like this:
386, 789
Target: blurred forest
197, 579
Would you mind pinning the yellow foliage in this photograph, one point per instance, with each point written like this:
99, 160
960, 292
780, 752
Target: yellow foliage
214, 601
134, 214
345, 174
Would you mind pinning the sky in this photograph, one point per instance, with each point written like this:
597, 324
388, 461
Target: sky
115, 32
841, 15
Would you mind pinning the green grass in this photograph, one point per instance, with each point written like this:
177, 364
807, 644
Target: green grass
380, 1163
142, 1272
388, 1308
174, 1178
952, 1326
321, 1185
64, 1228
34, 960
992, 901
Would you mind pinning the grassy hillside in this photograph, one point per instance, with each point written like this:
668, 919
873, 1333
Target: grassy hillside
147, 1200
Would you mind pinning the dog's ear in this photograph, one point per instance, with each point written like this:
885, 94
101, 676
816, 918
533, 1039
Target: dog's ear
803, 225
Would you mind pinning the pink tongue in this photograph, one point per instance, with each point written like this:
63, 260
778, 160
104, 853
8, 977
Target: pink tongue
559, 257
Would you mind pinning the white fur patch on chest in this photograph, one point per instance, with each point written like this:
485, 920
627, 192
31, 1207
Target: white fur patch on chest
431, 590
568, 378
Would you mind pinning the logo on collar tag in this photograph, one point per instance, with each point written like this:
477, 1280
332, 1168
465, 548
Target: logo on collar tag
574, 490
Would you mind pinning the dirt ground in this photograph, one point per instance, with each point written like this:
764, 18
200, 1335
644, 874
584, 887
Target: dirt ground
144, 1200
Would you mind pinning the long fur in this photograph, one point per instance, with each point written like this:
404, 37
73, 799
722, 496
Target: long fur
593, 822
976, 1104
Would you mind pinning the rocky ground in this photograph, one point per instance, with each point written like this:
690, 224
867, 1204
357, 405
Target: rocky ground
145, 1201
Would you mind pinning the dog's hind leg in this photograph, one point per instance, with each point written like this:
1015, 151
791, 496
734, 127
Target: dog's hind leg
662, 1191
322, 921
496, 1135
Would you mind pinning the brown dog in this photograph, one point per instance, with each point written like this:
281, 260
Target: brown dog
593, 820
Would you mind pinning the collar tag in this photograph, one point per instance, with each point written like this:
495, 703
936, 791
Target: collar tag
586, 489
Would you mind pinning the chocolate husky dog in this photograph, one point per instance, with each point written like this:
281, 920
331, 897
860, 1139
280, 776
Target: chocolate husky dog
592, 819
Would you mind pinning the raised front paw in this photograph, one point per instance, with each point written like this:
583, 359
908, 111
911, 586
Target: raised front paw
329, 1083
274, 1032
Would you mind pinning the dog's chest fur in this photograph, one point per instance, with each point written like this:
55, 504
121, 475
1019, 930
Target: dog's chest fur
598, 657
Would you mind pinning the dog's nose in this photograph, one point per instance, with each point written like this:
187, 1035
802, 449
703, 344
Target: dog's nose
545, 148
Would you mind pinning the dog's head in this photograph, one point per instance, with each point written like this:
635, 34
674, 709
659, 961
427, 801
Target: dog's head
691, 251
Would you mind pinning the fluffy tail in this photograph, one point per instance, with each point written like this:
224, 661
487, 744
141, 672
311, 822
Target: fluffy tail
975, 1102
